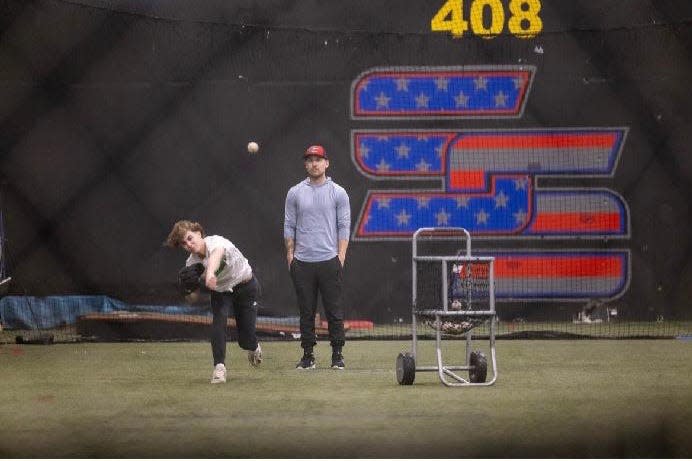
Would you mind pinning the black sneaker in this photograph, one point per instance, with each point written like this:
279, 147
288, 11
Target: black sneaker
306, 363
338, 361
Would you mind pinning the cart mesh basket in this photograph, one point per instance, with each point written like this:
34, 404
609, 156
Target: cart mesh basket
467, 289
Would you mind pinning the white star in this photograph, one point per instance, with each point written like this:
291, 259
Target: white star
402, 218
500, 99
423, 165
501, 200
442, 217
422, 202
364, 151
520, 184
441, 83
382, 100
401, 84
383, 166
422, 100
480, 83
364, 85
520, 216
482, 217
461, 99
462, 202
383, 202
403, 150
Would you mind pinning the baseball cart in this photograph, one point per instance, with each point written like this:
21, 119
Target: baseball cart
452, 295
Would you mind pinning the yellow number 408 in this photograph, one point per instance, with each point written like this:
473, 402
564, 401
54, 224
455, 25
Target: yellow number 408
524, 21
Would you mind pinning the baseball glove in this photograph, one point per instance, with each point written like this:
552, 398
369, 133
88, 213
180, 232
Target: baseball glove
189, 278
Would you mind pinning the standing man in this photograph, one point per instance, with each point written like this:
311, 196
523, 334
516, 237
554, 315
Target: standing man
317, 224
226, 272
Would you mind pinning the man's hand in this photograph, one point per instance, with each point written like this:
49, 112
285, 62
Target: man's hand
343, 246
210, 281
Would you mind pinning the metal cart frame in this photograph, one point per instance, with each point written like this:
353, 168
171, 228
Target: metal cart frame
406, 362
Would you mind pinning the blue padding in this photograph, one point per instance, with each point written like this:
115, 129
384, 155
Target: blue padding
30, 312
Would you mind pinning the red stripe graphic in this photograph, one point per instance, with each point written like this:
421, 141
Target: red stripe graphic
576, 222
537, 141
557, 266
460, 179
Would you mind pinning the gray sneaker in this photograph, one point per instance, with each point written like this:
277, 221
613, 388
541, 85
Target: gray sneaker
219, 374
255, 357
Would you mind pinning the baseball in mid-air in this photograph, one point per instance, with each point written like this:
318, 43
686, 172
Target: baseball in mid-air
252, 147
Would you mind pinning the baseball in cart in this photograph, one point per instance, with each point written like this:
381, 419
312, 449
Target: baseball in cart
453, 295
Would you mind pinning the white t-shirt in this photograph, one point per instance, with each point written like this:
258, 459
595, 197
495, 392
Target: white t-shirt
234, 267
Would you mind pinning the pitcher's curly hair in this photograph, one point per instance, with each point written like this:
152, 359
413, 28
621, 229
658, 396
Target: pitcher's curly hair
179, 230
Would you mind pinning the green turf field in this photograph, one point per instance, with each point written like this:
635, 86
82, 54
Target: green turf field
577, 398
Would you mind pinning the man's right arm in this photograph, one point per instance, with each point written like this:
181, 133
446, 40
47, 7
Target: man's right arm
290, 247
290, 226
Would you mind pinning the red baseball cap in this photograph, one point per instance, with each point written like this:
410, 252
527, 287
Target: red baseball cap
317, 151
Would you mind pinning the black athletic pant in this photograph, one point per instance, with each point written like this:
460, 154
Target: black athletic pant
242, 301
324, 277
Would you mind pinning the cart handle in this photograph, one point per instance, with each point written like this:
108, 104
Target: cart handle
447, 231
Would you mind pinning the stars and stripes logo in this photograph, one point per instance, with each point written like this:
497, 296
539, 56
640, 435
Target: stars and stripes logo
490, 179
460, 92
502, 210
488, 182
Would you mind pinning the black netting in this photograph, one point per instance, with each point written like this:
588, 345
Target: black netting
556, 133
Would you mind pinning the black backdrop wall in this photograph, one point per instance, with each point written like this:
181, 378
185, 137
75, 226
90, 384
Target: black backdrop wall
119, 118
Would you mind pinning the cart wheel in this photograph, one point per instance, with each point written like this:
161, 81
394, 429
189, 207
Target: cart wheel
479, 367
405, 369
